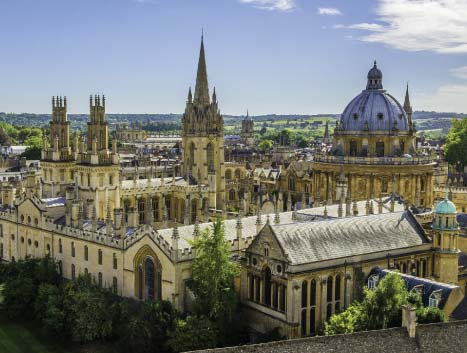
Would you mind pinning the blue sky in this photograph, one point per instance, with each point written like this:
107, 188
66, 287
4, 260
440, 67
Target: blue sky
268, 56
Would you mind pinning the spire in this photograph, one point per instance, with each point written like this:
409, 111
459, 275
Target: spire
202, 88
326, 129
190, 96
407, 106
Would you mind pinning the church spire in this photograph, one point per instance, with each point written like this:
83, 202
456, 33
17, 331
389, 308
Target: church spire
202, 88
407, 106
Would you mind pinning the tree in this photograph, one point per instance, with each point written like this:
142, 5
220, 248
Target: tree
193, 333
348, 321
265, 145
18, 298
151, 327
455, 149
213, 274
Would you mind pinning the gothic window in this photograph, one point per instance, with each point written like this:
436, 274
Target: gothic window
313, 292
149, 279
337, 289
304, 294
380, 149
210, 158
115, 285
232, 195
267, 286
329, 289
141, 213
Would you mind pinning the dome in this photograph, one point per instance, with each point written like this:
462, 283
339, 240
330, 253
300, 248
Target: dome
374, 110
446, 207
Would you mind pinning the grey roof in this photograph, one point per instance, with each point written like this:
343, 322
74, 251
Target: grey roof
54, 201
343, 237
364, 110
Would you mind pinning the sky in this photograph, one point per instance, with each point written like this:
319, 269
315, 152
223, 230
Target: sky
267, 56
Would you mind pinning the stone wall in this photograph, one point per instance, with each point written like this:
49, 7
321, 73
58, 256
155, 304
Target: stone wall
432, 338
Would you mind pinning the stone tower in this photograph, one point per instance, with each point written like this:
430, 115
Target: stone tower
57, 159
97, 170
203, 137
445, 242
248, 132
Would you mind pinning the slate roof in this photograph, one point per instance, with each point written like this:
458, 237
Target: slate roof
143, 183
54, 201
343, 237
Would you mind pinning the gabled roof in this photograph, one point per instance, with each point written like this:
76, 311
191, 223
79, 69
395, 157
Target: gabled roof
350, 236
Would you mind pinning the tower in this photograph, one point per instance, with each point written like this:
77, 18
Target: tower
445, 240
57, 160
97, 168
248, 132
203, 137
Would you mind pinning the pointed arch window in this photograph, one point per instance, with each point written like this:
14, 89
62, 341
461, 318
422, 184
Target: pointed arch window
210, 158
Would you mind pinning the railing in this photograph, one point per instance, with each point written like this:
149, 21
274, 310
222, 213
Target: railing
372, 160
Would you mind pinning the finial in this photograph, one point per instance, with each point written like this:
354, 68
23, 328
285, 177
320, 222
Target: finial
202, 34
375, 63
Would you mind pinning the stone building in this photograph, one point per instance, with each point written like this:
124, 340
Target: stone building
248, 131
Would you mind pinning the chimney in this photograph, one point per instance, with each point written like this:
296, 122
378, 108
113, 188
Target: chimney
409, 319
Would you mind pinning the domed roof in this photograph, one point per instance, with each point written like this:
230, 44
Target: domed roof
374, 110
375, 73
446, 207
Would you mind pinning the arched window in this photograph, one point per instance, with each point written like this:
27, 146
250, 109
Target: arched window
210, 158
329, 289
86, 253
313, 292
304, 294
337, 291
115, 285
353, 148
149, 278
232, 195
267, 286
72, 249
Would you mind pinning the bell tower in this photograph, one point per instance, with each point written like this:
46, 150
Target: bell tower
203, 137
248, 132
445, 242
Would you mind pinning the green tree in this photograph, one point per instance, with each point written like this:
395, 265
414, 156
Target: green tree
213, 273
455, 149
193, 333
265, 145
427, 315
348, 321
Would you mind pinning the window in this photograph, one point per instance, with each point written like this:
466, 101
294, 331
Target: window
267, 286
99, 256
353, 148
304, 294
150, 279
141, 213
355, 116
86, 253
380, 149
210, 158
373, 281
232, 195
22, 240
29, 242
60, 248
72, 249
329, 289
73, 272
115, 285
434, 299
99, 279
115, 261
48, 248
380, 116
36, 244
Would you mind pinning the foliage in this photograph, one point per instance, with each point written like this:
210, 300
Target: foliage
213, 274
348, 321
193, 333
382, 308
429, 315
18, 298
151, 327
455, 149
265, 145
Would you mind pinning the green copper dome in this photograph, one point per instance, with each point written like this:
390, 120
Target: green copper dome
446, 207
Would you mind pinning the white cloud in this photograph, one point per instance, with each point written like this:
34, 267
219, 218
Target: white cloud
416, 25
272, 5
328, 11
367, 27
460, 72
